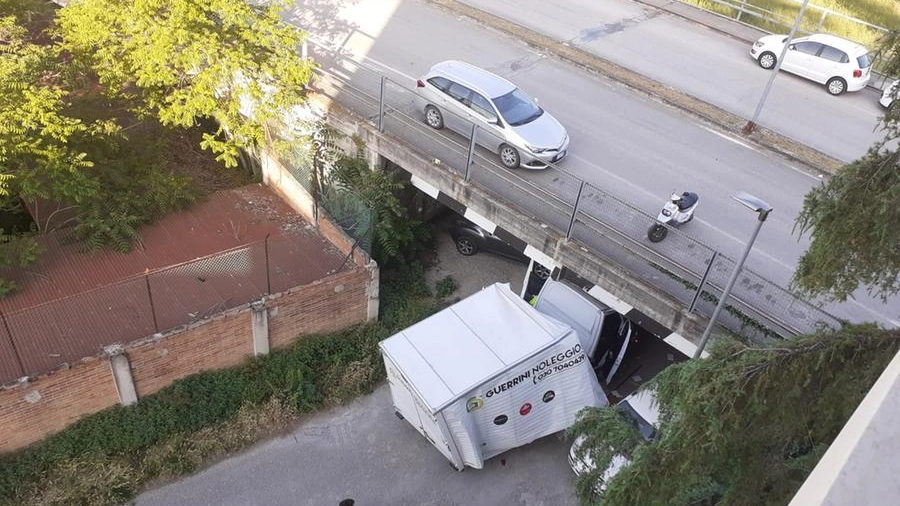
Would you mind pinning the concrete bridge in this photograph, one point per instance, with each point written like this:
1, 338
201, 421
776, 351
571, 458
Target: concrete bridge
642, 302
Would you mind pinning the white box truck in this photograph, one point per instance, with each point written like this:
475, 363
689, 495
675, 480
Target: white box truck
488, 374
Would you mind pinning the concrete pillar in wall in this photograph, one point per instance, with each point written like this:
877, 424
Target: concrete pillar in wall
372, 291
259, 323
121, 372
375, 161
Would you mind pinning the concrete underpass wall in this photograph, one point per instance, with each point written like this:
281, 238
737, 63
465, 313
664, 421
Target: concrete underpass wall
646, 299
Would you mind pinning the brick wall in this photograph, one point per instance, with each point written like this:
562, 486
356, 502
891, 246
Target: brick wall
322, 307
219, 342
49, 403
42, 407
277, 177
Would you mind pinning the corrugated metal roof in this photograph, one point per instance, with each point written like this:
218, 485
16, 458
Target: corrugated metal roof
71, 304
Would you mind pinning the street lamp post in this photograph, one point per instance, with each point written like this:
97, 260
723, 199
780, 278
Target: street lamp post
751, 125
762, 209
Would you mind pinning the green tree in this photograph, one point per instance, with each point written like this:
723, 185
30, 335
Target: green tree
852, 219
180, 60
36, 152
743, 427
37, 157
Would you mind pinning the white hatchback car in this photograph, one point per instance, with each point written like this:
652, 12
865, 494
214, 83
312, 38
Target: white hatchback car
456, 95
840, 64
641, 410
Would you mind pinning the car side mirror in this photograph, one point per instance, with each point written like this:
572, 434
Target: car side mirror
535, 100
792, 47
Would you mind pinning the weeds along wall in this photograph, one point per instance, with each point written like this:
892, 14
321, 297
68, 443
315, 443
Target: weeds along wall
47, 404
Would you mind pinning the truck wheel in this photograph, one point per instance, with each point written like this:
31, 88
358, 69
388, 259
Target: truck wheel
398, 415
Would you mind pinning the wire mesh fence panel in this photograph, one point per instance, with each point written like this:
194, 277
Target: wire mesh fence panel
296, 158
352, 86
69, 329
9, 363
193, 291
443, 147
632, 222
764, 301
655, 269
539, 203
400, 99
348, 210
300, 259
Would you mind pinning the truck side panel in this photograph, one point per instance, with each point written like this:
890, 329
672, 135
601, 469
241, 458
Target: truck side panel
538, 397
407, 403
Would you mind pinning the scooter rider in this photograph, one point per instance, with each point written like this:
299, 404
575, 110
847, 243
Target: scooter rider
677, 211
684, 202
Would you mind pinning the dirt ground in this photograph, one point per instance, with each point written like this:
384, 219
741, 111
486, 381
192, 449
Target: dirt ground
470, 273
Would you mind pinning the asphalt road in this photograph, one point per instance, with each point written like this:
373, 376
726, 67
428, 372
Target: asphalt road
714, 68
625, 142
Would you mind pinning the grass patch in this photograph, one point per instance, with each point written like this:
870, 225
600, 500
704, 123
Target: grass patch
107, 458
884, 13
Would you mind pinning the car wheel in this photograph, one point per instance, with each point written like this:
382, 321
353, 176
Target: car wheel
767, 60
540, 271
509, 156
836, 86
433, 117
466, 246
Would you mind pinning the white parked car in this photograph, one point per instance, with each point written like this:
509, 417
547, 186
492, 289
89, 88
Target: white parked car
641, 410
887, 97
840, 64
455, 94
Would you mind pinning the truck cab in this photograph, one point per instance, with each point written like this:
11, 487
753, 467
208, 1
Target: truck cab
603, 332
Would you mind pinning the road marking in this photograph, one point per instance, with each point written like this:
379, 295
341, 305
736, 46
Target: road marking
873, 312
814, 177
728, 138
612, 175
388, 67
708, 224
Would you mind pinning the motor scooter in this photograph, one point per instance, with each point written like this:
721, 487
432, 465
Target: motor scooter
676, 212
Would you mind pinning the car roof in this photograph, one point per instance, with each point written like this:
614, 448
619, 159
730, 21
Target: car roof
843, 44
473, 77
644, 403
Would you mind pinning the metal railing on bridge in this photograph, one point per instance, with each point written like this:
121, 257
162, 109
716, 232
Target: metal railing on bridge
685, 268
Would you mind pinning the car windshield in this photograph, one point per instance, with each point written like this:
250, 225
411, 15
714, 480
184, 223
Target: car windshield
864, 61
517, 108
648, 432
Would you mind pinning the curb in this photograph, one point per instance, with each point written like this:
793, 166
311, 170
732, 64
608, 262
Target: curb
815, 161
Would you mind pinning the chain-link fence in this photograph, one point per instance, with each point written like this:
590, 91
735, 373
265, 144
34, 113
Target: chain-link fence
66, 330
345, 207
816, 19
611, 227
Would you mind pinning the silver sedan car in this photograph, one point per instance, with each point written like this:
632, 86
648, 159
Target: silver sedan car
456, 95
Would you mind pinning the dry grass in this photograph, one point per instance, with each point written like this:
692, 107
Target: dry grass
884, 13
101, 480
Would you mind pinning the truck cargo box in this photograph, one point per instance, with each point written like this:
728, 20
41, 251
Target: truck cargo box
488, 374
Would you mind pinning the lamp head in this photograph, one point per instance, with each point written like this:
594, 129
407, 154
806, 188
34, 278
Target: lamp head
754, 203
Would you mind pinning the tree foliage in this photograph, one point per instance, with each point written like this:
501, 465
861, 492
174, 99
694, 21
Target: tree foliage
180, 60
394, 233
36, 153
743, 427
852, 218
